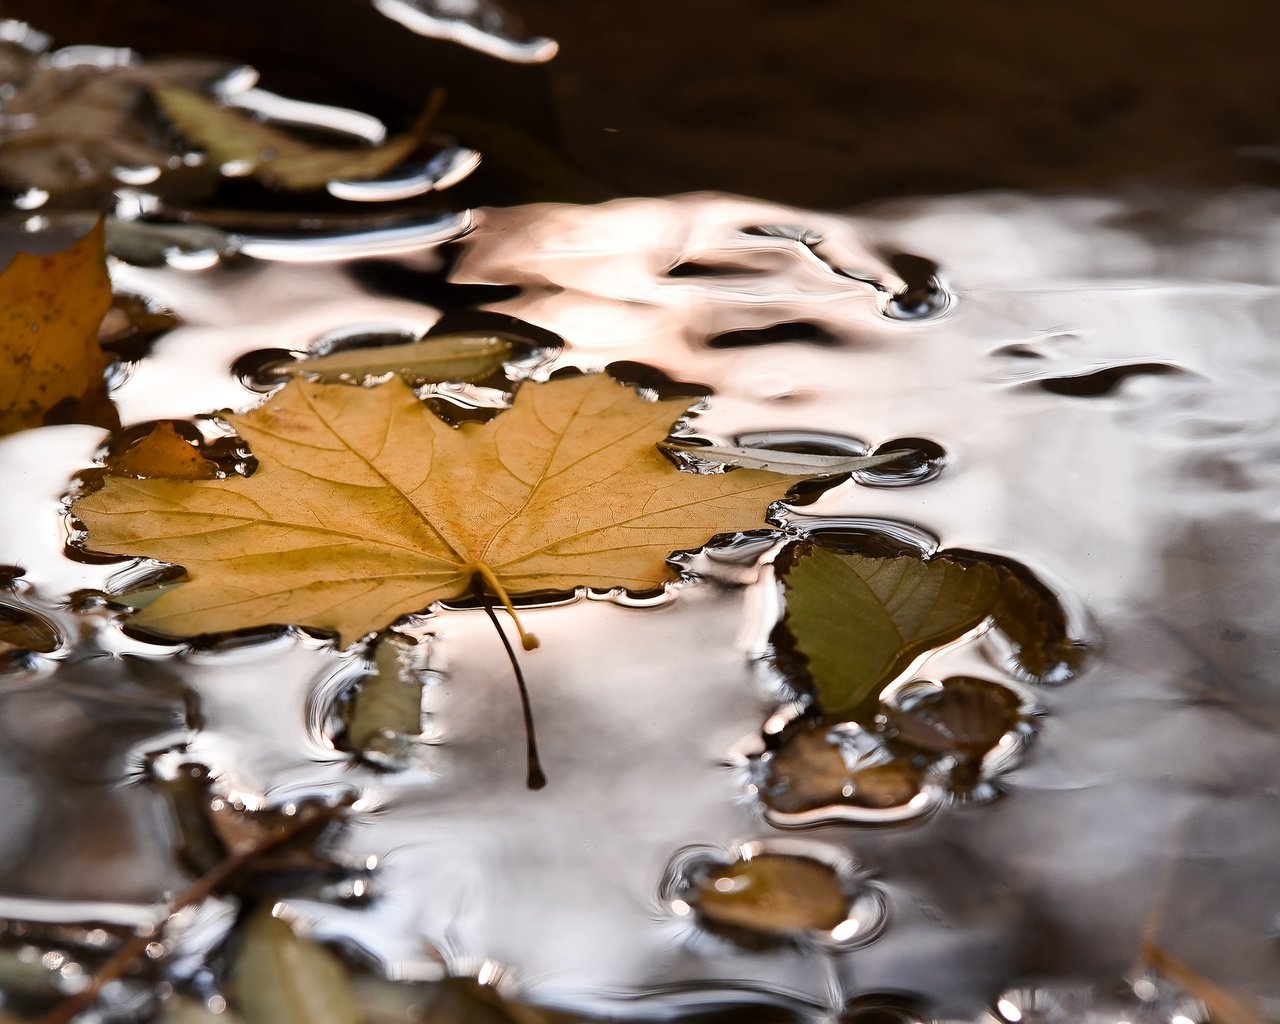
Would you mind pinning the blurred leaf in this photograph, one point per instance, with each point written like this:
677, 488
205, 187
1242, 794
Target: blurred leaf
459, 357
183, 1010
21, 630
789, 463
1224, 1006
858, 621
388, 703
451, 1001
50, 358
281, 978
275, 157
162, 453
72, 127
772, 894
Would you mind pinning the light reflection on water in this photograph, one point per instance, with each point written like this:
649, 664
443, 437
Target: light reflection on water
1149, 508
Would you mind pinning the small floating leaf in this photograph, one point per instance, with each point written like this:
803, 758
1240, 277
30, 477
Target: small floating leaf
21, 630
51, 308
388, 703
773, 894
281, 978
790, 463
366, 506
859, 620
808, 772
162, 453
273, 156
963, 716
458, 357
1034, 621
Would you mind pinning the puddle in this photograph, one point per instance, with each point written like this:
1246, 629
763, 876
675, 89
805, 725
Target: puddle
1085, 397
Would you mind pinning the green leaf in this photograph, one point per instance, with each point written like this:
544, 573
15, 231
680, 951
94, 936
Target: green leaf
388, 704
460, 357
281, 978
275, 157
858, 621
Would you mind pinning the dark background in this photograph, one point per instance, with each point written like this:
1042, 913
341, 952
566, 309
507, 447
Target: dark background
824, 103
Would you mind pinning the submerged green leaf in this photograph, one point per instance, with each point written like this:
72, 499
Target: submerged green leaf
275, 157
281, 978
459, 357
388, 704
858, 621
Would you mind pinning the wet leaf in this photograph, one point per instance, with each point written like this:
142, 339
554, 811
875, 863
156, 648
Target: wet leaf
1034, 621
808, 772
777, 461
132, 324
281, 978
71, 127
275, 157
388, 704
460, 357
366, 506
773, 894
50, 358
963, 716
162, 453
24, 631
1224, 1006
858, 621
451, 1001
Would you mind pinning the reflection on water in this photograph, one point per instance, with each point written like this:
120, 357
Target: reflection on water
1090, 386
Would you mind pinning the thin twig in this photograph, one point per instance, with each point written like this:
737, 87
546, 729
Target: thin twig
534, 777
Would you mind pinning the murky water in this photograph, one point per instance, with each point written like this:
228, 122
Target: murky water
1094, 380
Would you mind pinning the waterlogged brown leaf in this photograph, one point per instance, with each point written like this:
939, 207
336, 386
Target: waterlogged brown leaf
162, 453
1035, 623
367, 506
275, 157
24, 631
808, 772
772, 894
963, 716
281, 978
388, 704
50, 358
460, 357
858, 621
73, 127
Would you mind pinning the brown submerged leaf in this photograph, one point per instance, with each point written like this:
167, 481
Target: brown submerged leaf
273, 156
366, 506
774, 895
808, 772
964, 716
50, 358
162, 453
22, 631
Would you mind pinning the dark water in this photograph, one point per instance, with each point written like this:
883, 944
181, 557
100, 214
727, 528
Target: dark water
1098, 371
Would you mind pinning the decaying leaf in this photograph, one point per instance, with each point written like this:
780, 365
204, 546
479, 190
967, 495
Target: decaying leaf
21, 630
460, 357
807, 772
367, 506
80, 127
50, 358
858, 620
281, 978
387, 706
275, 157
773, 895
162, 453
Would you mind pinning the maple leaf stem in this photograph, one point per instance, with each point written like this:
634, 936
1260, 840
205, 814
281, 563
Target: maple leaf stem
527, 640
136, 947
534, 776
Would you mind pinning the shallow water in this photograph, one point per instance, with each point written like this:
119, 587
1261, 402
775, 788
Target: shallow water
1099, 373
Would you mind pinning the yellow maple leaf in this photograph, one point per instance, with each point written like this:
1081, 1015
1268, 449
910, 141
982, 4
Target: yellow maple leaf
163, 453
50, 309
366, 506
